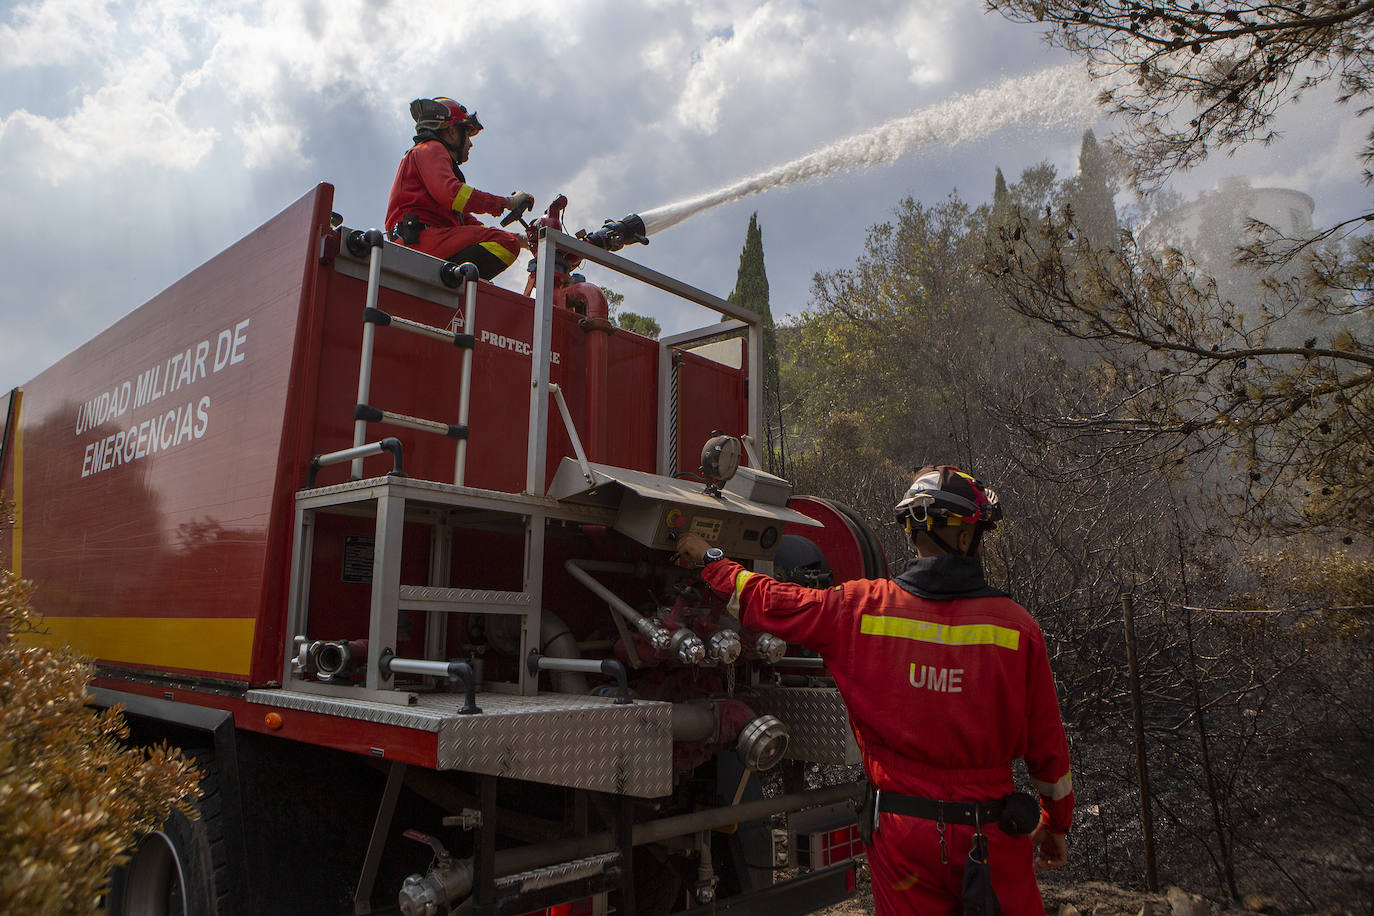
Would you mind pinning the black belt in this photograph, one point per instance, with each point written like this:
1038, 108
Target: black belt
1017, 814
947, 812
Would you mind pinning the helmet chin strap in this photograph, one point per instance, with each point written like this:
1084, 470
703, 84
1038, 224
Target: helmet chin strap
459, 156
941, 542
945, 546
455, 151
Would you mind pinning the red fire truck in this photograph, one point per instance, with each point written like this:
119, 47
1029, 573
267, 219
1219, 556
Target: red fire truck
390, 551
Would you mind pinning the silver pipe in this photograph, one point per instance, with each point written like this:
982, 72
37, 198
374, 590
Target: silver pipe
799, 661
647, 275
374, 283
754, 391
748, 441
557, 641
348, 454
666, 828
658, 636
687, 338
389, 664
572, 433
460, 460
693, 722
584, 665
356, 455
706, 873
541, 342
639, 569
420, 423
423, 330
421, 666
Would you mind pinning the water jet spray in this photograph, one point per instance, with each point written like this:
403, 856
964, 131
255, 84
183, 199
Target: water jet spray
1058, 96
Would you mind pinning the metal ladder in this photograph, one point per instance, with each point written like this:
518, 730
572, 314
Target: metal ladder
389, 598
453, 276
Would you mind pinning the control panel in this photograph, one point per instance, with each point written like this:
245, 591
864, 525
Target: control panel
659, 525
656, 511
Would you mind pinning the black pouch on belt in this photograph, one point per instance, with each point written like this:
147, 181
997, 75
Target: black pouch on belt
1020, 814
409, 228
868, 813
979, 897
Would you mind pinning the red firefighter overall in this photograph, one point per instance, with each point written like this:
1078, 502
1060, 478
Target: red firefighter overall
431, 205
947, 682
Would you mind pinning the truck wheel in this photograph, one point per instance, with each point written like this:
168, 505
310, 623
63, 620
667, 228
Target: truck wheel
658, 882
182, 869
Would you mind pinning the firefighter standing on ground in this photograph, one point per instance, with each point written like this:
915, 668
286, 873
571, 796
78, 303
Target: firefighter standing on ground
947, 682
431, 205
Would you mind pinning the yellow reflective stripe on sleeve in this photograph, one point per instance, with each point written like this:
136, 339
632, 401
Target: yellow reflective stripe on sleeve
741, 578
972, 634
1055, 790
460, 203
496, 248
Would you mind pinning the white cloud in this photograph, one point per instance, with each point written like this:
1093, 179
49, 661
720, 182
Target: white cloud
131, 121
1320, 143
923, 35
266, 143
49, 32
174, 76
749, 57
202, 118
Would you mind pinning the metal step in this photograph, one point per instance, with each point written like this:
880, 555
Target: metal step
562, 873
462, 600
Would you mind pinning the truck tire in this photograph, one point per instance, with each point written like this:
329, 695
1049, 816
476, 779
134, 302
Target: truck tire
182, 869
658, 880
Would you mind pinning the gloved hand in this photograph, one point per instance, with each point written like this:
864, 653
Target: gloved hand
519, 200
1051, 849
691, 550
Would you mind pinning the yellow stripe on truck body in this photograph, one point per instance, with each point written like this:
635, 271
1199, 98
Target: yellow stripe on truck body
217, 644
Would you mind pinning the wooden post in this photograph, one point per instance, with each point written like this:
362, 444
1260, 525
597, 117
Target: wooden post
1141, 767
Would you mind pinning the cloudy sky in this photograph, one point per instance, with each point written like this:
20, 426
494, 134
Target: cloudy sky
139, 138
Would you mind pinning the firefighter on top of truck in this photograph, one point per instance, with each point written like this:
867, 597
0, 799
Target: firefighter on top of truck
947, 682
431, 205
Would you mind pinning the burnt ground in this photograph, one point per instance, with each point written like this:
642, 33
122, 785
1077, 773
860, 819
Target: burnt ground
1312, 856
1096, 898
1091, 899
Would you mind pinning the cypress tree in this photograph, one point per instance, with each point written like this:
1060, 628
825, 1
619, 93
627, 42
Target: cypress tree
1092, 193
1001, 199
751, 292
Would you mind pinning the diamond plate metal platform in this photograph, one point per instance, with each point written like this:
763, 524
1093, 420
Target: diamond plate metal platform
582, 742
817, 722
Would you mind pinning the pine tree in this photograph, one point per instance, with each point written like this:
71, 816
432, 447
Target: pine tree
641, 324
751, 292
1092, 193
